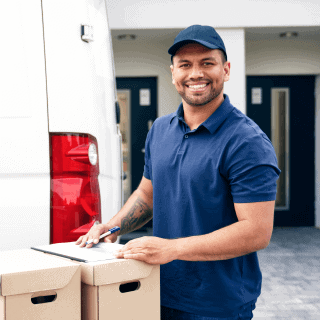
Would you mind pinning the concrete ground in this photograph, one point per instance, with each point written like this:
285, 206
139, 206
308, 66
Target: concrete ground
290, 268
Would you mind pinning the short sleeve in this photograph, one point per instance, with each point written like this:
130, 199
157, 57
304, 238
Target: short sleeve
147, 173
252, 171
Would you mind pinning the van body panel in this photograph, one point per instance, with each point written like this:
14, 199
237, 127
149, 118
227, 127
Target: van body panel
25, 161
52, 81
81, 85
24, 211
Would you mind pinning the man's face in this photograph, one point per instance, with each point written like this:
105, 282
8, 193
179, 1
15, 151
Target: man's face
199, 73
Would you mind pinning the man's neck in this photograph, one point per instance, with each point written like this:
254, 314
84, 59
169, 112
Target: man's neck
194, 116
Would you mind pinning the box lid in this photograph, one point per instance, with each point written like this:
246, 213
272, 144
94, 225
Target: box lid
23, 271
114, 271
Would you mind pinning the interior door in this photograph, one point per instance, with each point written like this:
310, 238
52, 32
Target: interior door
283, 107
138, 104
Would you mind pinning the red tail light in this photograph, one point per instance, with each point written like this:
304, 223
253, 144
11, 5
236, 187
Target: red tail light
75, 193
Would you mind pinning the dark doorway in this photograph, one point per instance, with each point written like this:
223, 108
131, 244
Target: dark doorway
141, 98
283, 107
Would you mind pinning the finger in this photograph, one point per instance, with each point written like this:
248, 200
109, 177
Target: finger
124, 248
83, 242
79, 240
133, 241
89, 245
118, 254
95, 236
121, 252
135, 256
85, 239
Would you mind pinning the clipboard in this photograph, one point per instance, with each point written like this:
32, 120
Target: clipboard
99, 252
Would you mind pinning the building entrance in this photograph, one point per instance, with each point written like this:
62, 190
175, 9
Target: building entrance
284, 108
137, 99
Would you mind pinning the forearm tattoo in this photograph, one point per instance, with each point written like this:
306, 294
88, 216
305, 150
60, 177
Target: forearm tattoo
139, 214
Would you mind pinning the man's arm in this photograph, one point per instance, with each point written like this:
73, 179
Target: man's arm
136, 212
251, 233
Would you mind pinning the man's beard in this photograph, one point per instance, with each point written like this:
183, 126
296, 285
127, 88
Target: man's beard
194, 102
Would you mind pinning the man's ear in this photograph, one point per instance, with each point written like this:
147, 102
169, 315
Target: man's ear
226, 68
171, 68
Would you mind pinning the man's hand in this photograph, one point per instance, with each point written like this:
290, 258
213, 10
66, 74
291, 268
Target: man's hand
152, 250
94, 233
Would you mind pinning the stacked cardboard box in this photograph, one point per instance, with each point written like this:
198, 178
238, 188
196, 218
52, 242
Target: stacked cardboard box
34, 285
121, 288
37, 285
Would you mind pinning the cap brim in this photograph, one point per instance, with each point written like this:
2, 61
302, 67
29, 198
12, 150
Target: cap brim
173, 49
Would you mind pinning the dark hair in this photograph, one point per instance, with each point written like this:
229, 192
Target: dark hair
223, 57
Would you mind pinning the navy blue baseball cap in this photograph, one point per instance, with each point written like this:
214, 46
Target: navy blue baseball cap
204, 35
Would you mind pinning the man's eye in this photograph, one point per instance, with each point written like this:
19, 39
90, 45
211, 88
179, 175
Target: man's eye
208, 64
184, 65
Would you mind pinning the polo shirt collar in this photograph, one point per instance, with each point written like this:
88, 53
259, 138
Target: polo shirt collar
215, 120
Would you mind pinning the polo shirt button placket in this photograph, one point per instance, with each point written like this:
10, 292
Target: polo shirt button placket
186, 136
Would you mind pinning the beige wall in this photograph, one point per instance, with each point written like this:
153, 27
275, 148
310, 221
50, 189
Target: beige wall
135, 14
148, 57
298, 56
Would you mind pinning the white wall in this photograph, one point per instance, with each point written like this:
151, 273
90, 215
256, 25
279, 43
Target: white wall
276, 57
317, 152
148, 56
137, 14
234, 40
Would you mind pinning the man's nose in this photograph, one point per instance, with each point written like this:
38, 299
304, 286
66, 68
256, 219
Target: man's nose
196, 72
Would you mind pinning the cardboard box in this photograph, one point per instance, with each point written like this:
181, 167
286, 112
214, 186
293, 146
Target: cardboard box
35, 285
120, 289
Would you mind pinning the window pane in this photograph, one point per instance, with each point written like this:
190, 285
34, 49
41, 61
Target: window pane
124, 104
279, 139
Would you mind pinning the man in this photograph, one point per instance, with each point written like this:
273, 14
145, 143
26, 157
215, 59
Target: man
210, 178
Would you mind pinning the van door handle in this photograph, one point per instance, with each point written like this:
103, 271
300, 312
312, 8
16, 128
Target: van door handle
87, 33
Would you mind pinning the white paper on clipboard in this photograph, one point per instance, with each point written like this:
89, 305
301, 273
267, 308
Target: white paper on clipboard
99, 252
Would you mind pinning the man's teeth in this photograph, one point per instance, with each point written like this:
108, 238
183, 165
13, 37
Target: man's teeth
198, 86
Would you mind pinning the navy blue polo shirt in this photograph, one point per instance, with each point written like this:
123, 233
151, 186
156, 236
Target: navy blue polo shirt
197, 176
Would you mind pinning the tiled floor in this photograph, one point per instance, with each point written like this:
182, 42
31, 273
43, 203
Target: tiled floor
290, 268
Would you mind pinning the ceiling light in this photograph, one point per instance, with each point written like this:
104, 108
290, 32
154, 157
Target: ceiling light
289, 34
126, 37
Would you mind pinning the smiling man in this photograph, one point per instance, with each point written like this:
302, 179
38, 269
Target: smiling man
209, 71
210, 185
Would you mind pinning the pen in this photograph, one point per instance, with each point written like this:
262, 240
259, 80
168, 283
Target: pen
112, 230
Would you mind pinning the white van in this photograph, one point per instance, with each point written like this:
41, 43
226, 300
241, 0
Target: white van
60, 152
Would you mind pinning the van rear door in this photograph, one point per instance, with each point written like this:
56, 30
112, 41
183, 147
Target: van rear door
24, 139
81, 96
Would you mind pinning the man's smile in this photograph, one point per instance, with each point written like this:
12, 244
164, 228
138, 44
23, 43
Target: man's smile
197, 87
